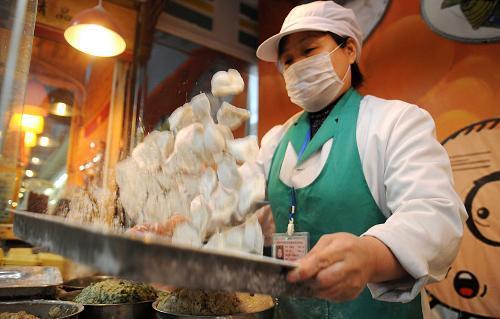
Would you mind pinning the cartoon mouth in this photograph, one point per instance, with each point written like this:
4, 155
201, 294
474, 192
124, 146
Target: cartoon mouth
481, 224
467, 285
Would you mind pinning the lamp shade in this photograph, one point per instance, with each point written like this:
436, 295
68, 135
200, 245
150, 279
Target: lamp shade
94, 32
61, 102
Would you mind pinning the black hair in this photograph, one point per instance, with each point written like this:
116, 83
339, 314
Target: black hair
356, 75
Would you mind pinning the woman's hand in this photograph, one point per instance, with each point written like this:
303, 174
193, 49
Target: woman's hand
340, 265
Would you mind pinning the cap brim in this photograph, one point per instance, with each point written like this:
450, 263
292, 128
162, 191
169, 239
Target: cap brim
268, 50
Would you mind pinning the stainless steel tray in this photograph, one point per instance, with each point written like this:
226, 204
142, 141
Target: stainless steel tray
41, 308
28, 282
156, 260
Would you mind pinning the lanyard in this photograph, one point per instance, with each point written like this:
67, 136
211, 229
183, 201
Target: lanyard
293, 196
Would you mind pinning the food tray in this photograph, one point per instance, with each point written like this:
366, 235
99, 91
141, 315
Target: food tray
153, 259
28, 282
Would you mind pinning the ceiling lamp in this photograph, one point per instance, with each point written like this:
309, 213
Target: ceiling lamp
61, 102
27, 123
94, 32
29, 139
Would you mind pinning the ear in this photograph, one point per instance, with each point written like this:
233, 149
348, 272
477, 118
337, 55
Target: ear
351, 50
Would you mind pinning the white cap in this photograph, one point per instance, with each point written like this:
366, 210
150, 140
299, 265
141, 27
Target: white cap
326, 16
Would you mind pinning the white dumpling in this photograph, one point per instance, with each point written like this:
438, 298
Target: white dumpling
186, 234
226, 83
227, 173
147, 154
181, 117
253, 238
252, 190
165, 141
201, 108
208, 183
190, 139
131, 181
216, 241
232, 116
200, 215
213, 139
223, 203
225, 131
244, 149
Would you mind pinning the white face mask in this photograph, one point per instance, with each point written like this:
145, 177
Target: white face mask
313, 83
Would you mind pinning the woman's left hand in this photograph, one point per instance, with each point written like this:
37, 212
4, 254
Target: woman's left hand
338, 267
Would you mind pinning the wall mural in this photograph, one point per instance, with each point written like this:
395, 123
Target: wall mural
441, 55
471, 288
464, 20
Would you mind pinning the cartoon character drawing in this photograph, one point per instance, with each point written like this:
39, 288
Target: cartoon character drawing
471, 288
464, 20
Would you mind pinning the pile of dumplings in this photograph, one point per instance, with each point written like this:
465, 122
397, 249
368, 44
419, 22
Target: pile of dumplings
196, 183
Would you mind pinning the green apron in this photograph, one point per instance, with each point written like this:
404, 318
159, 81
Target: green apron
339, 200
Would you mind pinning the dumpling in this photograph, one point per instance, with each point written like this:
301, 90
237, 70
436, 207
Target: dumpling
251, 191
147, 155
181, 117
227, 173
201, 109
208, 183
186, 234
244, 149
190, 139
226, 83
213, 140
232, 116
200, 215
223, 203
253, 239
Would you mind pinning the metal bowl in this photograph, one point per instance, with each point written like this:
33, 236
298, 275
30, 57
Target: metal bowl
253, 306
139, 310
41, 308
83, 282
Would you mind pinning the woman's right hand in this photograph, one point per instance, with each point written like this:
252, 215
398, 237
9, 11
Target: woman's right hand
266, 221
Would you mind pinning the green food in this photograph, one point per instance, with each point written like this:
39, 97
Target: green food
199, 303
116, 291
17, 315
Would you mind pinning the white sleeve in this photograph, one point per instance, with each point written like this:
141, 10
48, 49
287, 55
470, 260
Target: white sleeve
426, 224
267, 147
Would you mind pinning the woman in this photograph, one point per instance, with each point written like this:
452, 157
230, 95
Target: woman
363, 178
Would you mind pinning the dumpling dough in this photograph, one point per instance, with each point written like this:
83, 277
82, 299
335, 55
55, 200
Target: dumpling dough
227, 172
181, 117
201, 109
200, 215
244, 149
232, 116
226, 83
251, 191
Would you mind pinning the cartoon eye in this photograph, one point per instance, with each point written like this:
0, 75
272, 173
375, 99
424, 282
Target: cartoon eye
483, 212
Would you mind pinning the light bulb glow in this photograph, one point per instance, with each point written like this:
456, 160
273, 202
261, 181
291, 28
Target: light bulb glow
29, 139
95, 40
44, 141
35, 160
29, 173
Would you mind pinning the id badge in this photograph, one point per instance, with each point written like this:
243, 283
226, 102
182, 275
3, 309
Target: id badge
290, 248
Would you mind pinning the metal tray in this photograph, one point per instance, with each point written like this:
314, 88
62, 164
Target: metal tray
41, 308
152, 259
254, 307
28, 282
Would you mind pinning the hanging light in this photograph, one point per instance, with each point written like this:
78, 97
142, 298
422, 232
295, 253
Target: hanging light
27, 123
94, 32
61, 102
30, 139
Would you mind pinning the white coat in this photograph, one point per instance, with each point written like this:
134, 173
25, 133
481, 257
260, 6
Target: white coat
409, 176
